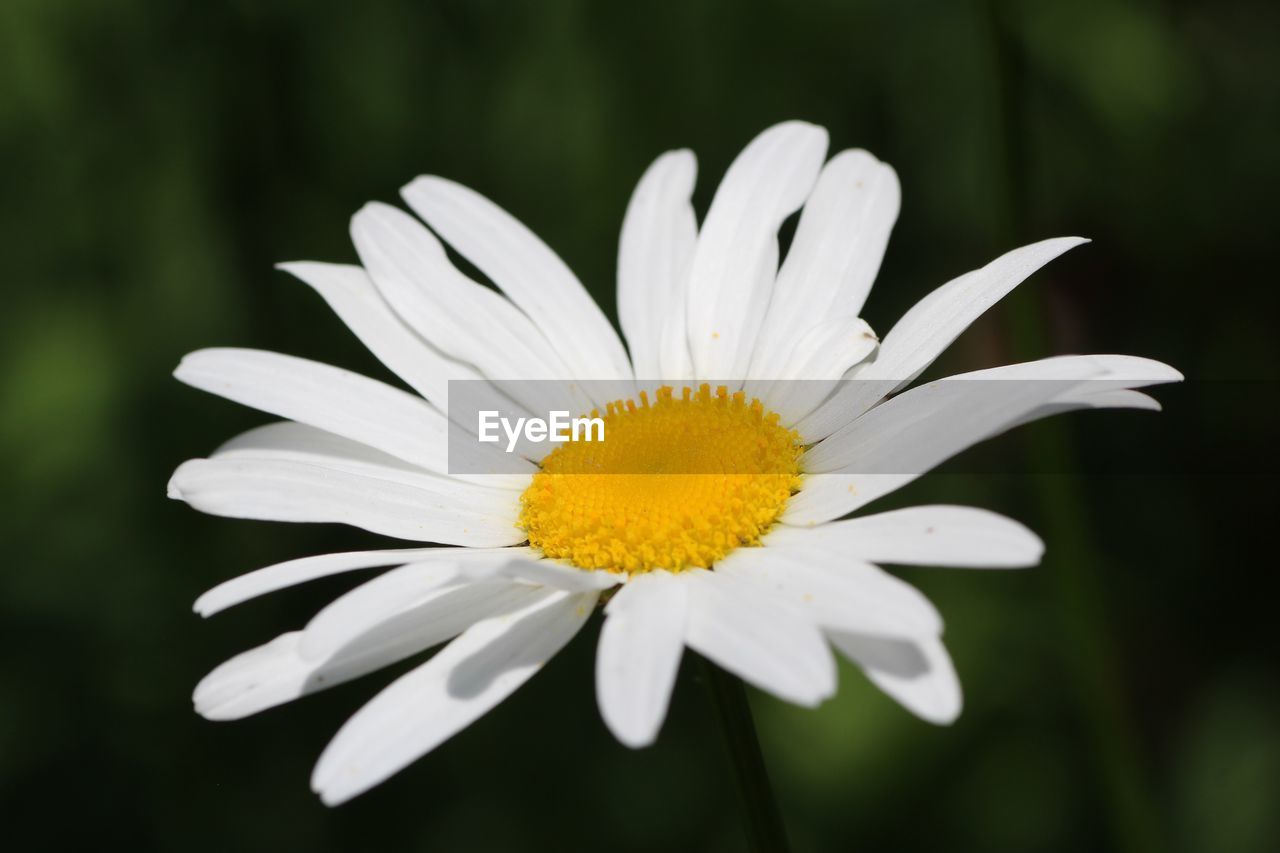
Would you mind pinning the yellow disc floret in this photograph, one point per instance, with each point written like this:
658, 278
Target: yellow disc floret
675, 484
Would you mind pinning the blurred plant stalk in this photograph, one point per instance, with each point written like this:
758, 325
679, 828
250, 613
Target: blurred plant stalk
1087, 636
762, 818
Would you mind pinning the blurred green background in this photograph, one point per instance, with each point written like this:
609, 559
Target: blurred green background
159, 157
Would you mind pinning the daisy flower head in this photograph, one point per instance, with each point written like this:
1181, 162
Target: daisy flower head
749, 413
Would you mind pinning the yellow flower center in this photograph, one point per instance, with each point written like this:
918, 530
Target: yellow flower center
675, 485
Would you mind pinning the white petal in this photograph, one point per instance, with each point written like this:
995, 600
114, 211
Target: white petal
416, 628
1085, 398
433, 509
828, 349
736, 259
761, 640
1109, 389
639, 655
938, 319
1133, 371
917, 673
303, 443
534, 278
924, 535
1114, 389
464, 318
433, 702
332, 399
353, 297
836, 590
281, 575
815, 367
833, 260
277, 673
852, 398
823, 497
551, 574
265, 676
928, 329
924, 426
899, 440
659, 233
411, 586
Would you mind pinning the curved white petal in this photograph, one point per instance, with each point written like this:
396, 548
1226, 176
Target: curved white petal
918, 673
823, 497
958, 536
277, 673
829, 349
902, 438
433, 509
464, 318
927, 329
330, 398
922, 427
659, 233
550, 573
410, 587
736, 259
292, 572
764, 641
303, 443
833, 260
836, 590
815, 367
639, 655
934, 322
1114, 389
1114, 398
258, 678
351, 294
531, 275
1130, 371
427, 706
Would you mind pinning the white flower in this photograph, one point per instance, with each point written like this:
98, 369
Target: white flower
763, 579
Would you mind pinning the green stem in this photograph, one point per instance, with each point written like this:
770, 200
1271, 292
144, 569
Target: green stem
765, 831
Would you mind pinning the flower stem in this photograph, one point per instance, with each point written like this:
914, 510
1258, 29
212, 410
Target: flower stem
765, 832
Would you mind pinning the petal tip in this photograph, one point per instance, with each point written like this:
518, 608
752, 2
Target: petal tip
635, 739
425, 185
182, 367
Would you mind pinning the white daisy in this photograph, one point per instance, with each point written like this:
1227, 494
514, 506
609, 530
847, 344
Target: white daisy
750, 568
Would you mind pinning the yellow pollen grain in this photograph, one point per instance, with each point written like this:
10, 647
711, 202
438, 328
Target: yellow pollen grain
678, 483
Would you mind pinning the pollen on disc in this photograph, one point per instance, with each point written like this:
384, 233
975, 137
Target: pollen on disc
678, 482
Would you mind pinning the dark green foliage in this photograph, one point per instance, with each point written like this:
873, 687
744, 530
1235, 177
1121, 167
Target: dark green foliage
159, 157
